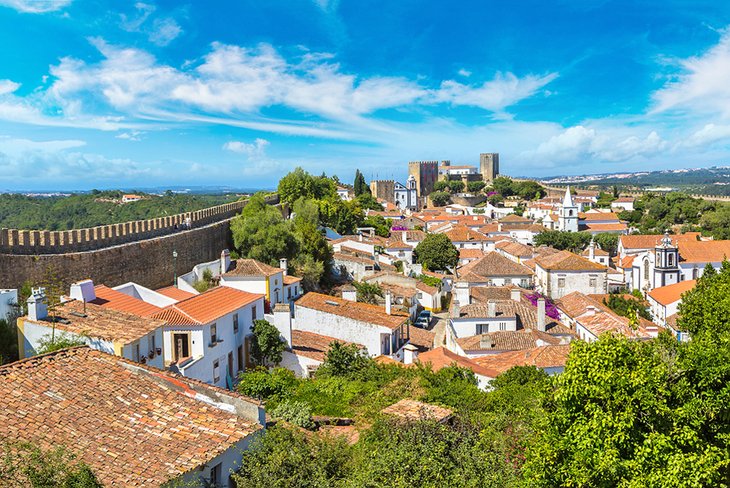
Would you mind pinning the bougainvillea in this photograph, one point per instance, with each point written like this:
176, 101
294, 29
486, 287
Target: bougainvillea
550, 309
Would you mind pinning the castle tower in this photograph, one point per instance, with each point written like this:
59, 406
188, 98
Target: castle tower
489, 166
426, 174
568, 216
666, 262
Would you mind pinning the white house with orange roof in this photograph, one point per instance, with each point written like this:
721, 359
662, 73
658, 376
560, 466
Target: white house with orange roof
253, 276
564, 272
664, 300
207, 337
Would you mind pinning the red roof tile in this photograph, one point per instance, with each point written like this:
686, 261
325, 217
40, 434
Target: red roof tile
208, 306
363, 312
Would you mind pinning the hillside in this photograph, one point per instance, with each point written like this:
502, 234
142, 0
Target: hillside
96, 208
705, 181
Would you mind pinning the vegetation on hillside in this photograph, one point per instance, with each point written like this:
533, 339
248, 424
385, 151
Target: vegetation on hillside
623, 413
436, 253
95, 208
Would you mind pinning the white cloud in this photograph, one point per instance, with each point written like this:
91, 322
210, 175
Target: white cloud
134, 23
464, 72
8, 86
254, 151
580, 144
709, 134
133, 135
495, 95
164, 31
35, 6
702, 85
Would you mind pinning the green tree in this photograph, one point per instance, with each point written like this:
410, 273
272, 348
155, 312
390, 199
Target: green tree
262, 233
267, 345
475, 186
8, 342
361, 187
571, 241
24, 464
344, 217
267, 384
456, 186
299, 183
368, 292
503, 186
378, 222
440, 198
344, 360
636, 413
705, 310
369, 202
521, 376
608, 242
312, 272
441, 185
436, 252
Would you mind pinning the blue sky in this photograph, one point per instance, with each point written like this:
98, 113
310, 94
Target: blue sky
108, 94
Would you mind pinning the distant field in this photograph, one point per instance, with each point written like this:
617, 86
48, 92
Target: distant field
97, 208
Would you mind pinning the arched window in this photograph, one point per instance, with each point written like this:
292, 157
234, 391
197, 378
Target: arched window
694, 273
670, 259
570, 213
646, 269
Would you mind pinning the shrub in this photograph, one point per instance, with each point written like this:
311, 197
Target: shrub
297, 413
264, 384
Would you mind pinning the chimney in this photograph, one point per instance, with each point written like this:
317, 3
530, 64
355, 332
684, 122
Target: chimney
284, 264
499, 227
541, 314
410, 354
387, 302
282, 321
349, 293
359, 237
515, 294
491, 308
225, 261
590, 310
455, 309
83, 291
37, 308
592, 250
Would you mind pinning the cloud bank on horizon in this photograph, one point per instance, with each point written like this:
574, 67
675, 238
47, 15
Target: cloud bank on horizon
98, 94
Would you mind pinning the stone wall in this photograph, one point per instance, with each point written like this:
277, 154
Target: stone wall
147, 262
14, 241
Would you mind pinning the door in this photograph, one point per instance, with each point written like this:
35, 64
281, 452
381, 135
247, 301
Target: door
249, 360
181, 346
230, 365
240, 358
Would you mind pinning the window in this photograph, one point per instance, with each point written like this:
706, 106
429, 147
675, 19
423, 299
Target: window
216, 371
670, 259
561, 282
646, 269
694, 273
482, 328
215, 475
276, 282
592, 282
503, 326
253, 313
235, 323
152, 344
135, 352
213, 334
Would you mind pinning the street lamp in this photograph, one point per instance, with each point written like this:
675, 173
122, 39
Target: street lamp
174, 261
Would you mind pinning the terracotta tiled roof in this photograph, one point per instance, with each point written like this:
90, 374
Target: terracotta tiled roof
624, 200
100, 322
441, 357
421, 338
704, 251
514, 248
313, 346
589, 216
541, 357
413, 410
649, 241
597, 318
116, 300
672, 321
340, 256
415, 235
513, 218
461, 233
484, 293
597, 252
133, 426
363, 312
507, 340
576, 303
251, 267
175, 293
567, 261
491, 229
494, 264
290, 280
610, 227
669, 294
524, 312
208, 306
421, 286
470, 253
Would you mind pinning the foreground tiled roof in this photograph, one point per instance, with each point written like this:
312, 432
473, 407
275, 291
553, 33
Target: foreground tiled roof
494, 264
515, 218
207, 307
100, 322
132, 425
251, 267
596, 252
600, 216
470, 253
116, 300
567, 261
313, 346
363, 312
484, 293
462, 233
441, 357
290, 280
514, 248
175, 293
507, 340
597, 318
414, 410
525, 312
421, 338
541, 357
666, 295
608, 227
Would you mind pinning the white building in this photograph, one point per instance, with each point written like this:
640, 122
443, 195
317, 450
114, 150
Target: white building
664, 301
379, 331
207, 337
562, 273
8, 303
568, 214
124, 334
493, 269
406, 197
345, 193
623, 203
